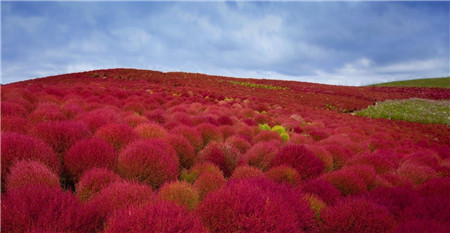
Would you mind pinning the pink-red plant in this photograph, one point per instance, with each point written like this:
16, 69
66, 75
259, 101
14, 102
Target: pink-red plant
61, 135
118, 135
152, 161
262, 154
118, 196
184, 149
209, 133
348, 182
16, 147
284, 173
40, 208
87, 154
356, 215
192, 135
181, 193
207, 182
26, 172
224, 155
93, 180
151, 130
323, 189
242, 172
256, 205
301, 159
160, 216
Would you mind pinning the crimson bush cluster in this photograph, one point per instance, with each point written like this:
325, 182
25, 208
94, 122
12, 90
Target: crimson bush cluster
127, 150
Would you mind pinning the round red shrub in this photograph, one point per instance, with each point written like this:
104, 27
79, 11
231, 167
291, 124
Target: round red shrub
61, 135
46, 112
323, 189
181, 193
323, 155
118, 196
365, 172
421, 226
184, 150
348, 182
134, 120
300, 158
239, 143
192, 135
382, 163
436, 186
395, 199
418, 174
93, 180
436, 207
26, 172
87, 154
266, 136
225, 156
94, 119
199, 168
256, 205
40, 208
284, 173
151, 130
262, 154
14, 124
13, 109
16, 147
152, 161
207, 182
357, 215
209, 133
161, 216
246, 171
118, 135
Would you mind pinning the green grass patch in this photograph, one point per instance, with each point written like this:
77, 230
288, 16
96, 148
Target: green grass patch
250, 84
417, 110
427, 82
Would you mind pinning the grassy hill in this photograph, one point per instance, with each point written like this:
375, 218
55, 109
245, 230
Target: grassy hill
426, 82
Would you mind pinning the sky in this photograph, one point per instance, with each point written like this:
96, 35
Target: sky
341, 43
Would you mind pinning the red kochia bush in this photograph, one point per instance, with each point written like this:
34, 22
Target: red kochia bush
46, 112
436, 186
239, 143
262, 154
284, 173
181, 193
151, 130
93, 180
192, 135
256, 205
223, 155
209, 133
87, 154
13, 109
117, 196
118, 135
323, 189
98, 117
15, 124
266, 136
246, 171
61, 135
17, 147
161, 216
184, 150
300, 158
421, 226
44, 209
152, 161
30, 172
357, 215
348, 182
208, 182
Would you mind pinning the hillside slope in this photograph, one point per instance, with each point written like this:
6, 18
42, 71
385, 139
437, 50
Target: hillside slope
428, 82
126, 150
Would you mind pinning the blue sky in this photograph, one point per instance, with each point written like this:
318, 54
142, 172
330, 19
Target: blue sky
345, 43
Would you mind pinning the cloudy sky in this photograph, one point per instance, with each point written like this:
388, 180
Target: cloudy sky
345, 43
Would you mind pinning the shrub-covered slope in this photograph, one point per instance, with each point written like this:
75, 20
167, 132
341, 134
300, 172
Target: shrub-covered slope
135, 150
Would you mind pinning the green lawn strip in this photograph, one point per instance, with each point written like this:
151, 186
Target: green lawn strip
416, 110
427, 82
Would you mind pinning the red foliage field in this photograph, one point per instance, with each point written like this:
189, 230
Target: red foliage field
143, 151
